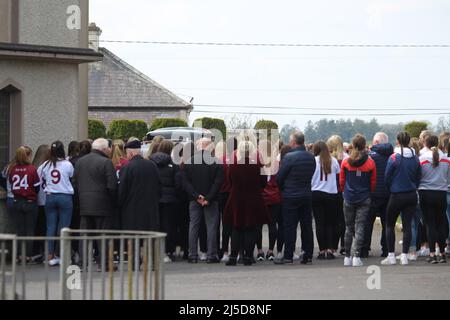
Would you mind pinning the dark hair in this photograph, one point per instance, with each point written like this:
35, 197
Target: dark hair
359, 147
447, 146
85, 147
166, 146
232, 145
73, 149
432, 143
403, 138
320, 149
299, 138
57, 153
284, 151
42, 155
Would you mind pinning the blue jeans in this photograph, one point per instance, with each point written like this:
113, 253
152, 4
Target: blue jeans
10, 204
58, 207
297, 210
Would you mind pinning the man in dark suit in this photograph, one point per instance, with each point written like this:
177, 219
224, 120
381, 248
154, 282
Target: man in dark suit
139, 192
294, 179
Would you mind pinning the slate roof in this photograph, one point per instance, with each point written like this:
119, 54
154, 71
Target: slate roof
114, 83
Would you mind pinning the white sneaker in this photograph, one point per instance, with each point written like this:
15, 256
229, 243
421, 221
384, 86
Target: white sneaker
296, 256
203, 256
54, 262
348, 262
225, 258
280, 255
167, 259
424, 252
389, 261
357, 262
447, 250
404, 260
438, 251
412, 256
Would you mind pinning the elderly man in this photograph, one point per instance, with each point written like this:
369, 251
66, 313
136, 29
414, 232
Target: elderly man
202, 179
96, 183
380, 152
294, 179
139, 191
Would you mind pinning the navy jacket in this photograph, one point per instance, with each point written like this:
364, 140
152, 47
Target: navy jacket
380, 153
296, 172
403, 174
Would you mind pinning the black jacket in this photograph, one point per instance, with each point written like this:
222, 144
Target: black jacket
296, 172
170, 187
139, 193
95, 182
380, 153
202, 177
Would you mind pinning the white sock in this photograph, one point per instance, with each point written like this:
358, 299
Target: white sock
392, 255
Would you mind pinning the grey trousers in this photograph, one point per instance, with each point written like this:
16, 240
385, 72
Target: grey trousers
356, 216
212, 217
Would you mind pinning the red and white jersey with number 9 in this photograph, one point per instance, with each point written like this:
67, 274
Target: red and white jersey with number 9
23, 180
56, 179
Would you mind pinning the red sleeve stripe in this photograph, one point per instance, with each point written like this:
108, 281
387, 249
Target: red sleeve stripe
425, 162
445, 161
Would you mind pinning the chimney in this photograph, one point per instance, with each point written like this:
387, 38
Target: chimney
94, 36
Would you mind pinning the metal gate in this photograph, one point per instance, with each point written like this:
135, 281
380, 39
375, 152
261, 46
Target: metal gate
129, 266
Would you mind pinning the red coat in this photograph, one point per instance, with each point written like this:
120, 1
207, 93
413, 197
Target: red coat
245, 206
271, 192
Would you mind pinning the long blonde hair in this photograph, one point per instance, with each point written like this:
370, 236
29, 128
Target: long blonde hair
118, 152
336, 147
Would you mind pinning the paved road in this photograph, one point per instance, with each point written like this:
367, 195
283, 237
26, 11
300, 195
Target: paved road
265, 281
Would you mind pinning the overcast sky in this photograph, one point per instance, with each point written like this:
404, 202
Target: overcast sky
317, 78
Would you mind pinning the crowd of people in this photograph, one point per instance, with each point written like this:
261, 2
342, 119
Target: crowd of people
218, 196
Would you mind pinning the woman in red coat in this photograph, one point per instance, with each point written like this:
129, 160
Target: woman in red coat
245, 210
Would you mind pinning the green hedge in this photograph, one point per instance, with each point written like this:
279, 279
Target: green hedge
212, 123
167, 123
96, 129
124, 129
266, 125
415, 128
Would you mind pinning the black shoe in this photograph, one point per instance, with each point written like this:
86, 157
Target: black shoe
322, 256
283, 261
342, 252
192, 260
240, 260
306, 260
330, 256
432, 260
186, 256
442, 259
270, 257
260, 257
248, 261
364, 254
232, 262
213, 261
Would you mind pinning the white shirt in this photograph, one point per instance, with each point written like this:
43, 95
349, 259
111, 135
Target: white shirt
57, 180
41, 194
326, 183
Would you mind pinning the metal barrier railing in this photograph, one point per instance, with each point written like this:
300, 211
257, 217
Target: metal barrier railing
130, 258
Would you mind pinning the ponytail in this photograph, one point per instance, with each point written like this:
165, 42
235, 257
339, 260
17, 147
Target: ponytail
432, 143
435, 157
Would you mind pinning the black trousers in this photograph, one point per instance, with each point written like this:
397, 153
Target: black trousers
404, 203
275, 230
182, 238
243, 238
434, 210
340, 235
226, 229
168, 213
40, 231
95, 223
24, 215
324, 206
378, 208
